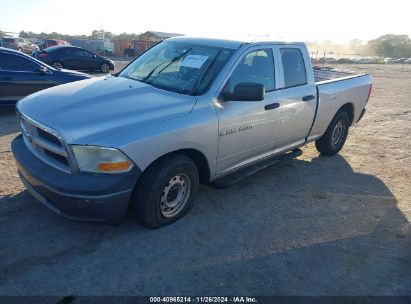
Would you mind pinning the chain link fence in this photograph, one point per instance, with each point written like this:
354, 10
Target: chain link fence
351, 61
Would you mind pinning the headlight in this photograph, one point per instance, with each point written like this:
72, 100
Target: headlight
101, 159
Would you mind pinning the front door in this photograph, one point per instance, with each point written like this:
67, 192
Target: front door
90, 61
247, 129
21, 77
84, 60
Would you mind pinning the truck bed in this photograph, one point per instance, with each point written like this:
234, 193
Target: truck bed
336, 88
325, 74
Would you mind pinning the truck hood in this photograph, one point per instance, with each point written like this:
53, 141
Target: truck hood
87, 110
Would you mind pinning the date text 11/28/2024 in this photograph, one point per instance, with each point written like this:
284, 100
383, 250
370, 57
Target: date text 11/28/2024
203, 300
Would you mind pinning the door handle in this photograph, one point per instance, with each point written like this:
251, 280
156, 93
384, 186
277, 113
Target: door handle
272, 106
308, 97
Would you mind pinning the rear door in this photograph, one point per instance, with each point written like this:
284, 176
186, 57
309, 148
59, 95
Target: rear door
24, 44
69, 57
247, 129
21, 77
299, 96
9, 43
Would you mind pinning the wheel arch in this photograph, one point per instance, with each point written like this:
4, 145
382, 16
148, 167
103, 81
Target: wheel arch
349, 108
196, 156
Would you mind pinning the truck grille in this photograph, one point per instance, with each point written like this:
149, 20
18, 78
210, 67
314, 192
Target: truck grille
49, 137
45, 143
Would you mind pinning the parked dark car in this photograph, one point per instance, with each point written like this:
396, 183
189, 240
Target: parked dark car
22, 75
344, 60
19, 44
72, 57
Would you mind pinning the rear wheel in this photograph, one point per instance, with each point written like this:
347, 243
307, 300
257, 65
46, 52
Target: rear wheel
105, 68
335, 136
166, 191
57, 65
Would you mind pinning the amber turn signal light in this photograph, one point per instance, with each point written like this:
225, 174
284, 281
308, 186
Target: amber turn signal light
112, 167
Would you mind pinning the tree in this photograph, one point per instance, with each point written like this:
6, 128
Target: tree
108, 35
391, 46
23, 34
101, 34
96, 34
126, 36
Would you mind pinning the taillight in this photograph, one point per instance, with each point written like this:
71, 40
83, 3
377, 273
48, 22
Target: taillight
369, 93
43, 55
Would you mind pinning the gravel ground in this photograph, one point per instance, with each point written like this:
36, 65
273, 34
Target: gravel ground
313, 226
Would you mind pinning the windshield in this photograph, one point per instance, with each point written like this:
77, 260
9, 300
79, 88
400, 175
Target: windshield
178, 67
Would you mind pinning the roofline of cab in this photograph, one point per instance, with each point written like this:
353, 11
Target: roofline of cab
227, 43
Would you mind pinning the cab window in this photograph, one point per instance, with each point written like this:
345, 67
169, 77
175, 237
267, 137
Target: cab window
293, 67
255, 67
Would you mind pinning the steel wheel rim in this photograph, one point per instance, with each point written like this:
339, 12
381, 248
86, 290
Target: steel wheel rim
57, 65
105, 68
175, 195
338, 132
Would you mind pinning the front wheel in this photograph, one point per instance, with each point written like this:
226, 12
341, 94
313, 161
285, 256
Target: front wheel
166, 191
57, 65
335, 136
105, 68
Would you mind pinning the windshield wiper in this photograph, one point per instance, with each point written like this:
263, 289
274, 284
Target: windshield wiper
160, 64
208, 69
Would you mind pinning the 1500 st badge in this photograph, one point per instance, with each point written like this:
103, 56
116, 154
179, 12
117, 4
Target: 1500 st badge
240, 129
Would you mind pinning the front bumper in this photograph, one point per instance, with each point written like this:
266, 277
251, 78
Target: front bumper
77, 196
112, 65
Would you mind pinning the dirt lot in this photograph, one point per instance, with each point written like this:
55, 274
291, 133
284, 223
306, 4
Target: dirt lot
313, 226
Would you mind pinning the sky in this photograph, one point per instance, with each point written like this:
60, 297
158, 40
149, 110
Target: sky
291, 20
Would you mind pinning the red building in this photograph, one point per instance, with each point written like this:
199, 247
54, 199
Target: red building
150, 38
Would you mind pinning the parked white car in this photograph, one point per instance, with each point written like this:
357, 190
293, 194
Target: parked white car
365, 60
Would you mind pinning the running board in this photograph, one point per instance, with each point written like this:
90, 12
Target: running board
232, 179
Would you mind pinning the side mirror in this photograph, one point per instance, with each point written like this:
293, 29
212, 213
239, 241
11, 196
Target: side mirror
246, 91
94, 56
43, 70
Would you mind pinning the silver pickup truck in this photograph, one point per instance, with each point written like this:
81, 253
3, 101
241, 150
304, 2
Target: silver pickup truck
189, 110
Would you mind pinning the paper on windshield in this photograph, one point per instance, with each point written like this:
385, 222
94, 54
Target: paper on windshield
194, 61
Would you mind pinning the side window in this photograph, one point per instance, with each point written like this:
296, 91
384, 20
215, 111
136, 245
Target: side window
77, 52
255, 67
67, 52
16, 63
87, 54
293, 66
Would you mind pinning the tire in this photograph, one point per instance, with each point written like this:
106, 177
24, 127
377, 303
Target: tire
57, 65
105, 68
335, 136
165, 192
